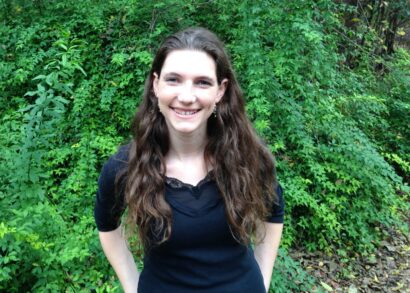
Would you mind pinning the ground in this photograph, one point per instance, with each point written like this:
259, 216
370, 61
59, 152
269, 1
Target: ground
385, 270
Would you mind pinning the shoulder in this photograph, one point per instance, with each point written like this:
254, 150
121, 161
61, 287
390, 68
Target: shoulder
114, 164
119, 160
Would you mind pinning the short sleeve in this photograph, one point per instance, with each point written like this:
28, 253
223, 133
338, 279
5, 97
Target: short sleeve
278, 208
109, 207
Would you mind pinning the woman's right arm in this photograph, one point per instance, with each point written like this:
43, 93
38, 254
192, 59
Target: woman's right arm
117, 252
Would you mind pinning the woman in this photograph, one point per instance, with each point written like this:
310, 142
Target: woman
198, 183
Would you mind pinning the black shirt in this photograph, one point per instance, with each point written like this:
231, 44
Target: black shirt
201, 254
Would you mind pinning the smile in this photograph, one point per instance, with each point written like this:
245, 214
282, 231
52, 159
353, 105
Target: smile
185, 112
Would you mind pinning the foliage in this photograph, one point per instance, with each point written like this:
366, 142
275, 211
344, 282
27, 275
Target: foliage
288, 276
338, 128
375, 24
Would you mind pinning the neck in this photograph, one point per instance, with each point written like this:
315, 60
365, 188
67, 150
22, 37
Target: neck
187, 146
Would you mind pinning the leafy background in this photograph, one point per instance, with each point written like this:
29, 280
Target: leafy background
327, 86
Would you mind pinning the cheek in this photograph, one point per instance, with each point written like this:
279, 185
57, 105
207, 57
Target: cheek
167, 94
164, 96
207, 95
212, 99
163, 101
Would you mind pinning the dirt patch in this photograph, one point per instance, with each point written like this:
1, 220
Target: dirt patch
386, 270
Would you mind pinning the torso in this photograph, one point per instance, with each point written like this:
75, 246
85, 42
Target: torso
201, 254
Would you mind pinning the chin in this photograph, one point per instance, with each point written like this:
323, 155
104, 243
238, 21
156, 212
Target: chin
186, 129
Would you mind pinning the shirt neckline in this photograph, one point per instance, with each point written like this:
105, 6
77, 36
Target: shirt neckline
176, 183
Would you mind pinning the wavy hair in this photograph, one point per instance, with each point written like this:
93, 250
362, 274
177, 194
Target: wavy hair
243, 168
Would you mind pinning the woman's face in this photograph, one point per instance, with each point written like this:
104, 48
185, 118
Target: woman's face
187, 91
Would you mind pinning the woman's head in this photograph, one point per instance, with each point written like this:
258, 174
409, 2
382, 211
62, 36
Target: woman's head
187, 92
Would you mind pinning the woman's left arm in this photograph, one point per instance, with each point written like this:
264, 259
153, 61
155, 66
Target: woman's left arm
267, 250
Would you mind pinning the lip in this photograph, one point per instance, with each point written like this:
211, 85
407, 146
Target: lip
179, 112
184, 109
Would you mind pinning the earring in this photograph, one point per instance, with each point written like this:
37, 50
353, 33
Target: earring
214, 111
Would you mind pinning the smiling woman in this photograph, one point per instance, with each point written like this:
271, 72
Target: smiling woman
197, 182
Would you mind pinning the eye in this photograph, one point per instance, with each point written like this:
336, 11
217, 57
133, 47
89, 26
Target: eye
171, 80
204, 83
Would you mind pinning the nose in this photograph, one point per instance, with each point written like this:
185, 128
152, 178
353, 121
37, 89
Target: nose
187, 94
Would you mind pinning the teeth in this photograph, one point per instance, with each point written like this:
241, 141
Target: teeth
185, 112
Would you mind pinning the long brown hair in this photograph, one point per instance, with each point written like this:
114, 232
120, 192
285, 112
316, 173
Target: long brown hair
243, 168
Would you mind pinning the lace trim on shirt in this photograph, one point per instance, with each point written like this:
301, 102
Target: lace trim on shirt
176, 183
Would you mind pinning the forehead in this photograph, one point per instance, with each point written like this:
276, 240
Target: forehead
190, 63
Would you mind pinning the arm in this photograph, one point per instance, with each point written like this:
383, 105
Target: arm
120, 258
267, 249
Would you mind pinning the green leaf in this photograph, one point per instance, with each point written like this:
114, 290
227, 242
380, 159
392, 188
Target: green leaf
326, 286
41, 76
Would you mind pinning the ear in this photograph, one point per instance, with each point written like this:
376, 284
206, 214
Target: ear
155, 83
221, 90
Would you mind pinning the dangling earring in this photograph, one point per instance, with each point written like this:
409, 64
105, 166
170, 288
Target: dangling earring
214, 111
